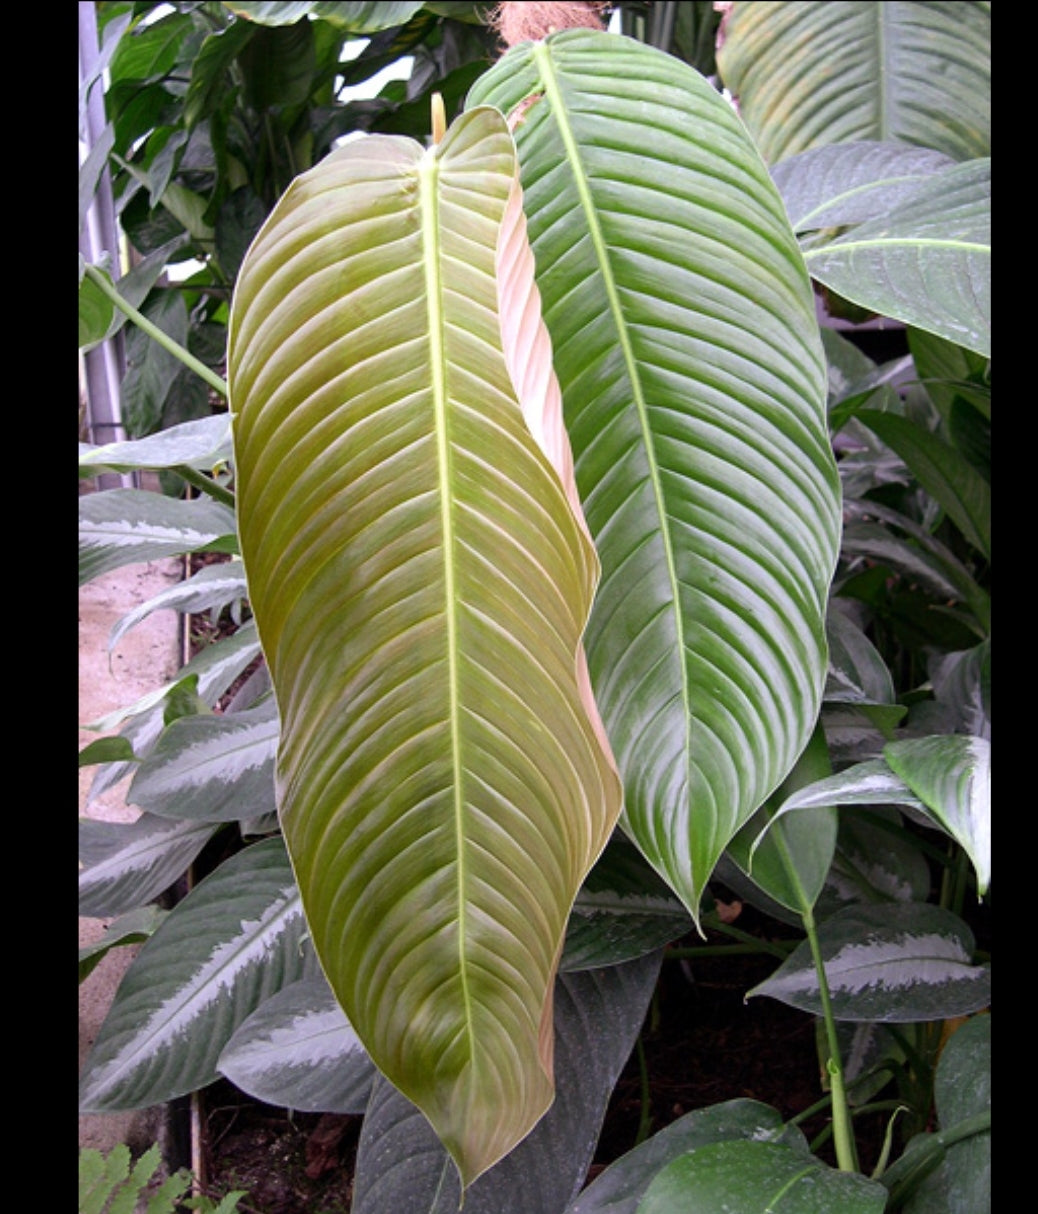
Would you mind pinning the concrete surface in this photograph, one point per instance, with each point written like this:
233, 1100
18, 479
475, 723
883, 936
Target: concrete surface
145, 657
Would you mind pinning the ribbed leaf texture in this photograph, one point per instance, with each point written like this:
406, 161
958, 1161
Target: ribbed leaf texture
808, 74
421, 578
693, 382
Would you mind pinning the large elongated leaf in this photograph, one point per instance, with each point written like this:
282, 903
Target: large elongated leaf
421, 577
230, 944
619, 1189
952, 777
809, 74
758, 1178
299, 1051
203, 443
847, 183
694, 388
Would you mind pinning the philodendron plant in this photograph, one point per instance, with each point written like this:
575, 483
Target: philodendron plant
565, 608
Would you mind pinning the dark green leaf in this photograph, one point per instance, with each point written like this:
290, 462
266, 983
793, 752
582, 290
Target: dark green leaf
941, 471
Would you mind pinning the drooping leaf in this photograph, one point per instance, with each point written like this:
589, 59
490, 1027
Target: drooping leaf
211, 768
952, 778
213, 587
119, 527
847, 183
808, 74
694, 387
231, 943
297, 1050
758, 1178
204, 444
927, 262
127, 864
401, 1166
895, 964
421, 575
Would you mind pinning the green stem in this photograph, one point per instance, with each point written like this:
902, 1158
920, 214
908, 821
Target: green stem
205, 483
736, 933
645, 1120
843, 1136
153, 331
907, 1174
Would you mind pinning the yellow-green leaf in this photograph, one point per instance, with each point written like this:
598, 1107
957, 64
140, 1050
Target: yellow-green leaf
421, 577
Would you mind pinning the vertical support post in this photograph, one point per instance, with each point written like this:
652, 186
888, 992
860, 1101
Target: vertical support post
103, 366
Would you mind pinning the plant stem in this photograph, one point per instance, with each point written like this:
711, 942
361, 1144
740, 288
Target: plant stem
645, 1119
694, 952
843, 1137
904, 1176
205, 483
762, 946
155, 333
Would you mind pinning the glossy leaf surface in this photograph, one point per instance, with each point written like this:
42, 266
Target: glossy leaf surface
952, 777
927, 262
621, 1186
421, 577
758, 1178
694, 388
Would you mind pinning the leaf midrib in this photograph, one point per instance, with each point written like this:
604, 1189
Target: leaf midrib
428, 176
553, 92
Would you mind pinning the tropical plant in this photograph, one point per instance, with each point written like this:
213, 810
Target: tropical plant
578, 571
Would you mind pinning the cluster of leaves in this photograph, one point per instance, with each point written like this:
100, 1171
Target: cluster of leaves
798, 702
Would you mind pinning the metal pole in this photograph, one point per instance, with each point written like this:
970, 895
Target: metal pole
103, 366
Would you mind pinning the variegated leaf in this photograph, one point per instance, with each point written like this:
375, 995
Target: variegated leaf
211, 768
298, 1051
128, 864
897, 963
233, 942
212, 587
952, 777
119, 527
